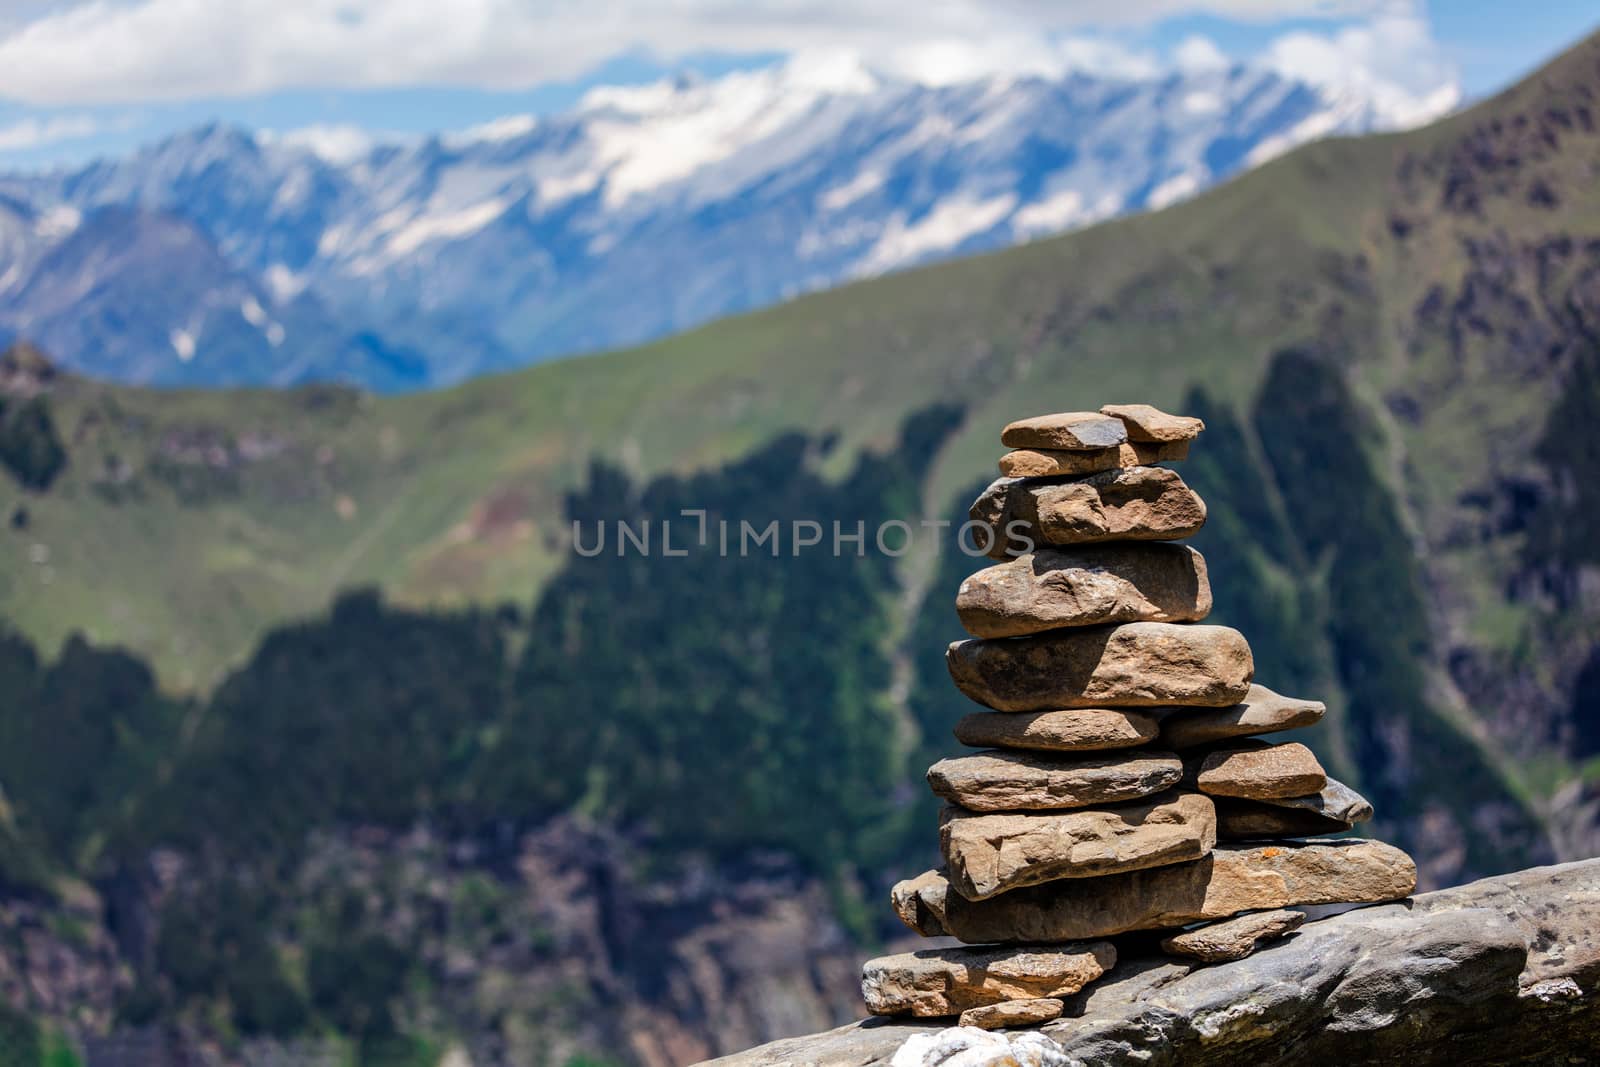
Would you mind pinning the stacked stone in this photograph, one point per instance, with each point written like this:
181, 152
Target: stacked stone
1121, 787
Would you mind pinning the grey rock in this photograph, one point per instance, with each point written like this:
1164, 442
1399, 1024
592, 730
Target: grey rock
1335, 801
1012, 1013
1505, 970
1085, 586
1261, 712
1065, 430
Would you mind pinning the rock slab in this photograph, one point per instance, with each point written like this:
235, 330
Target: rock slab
1232, 939
1258, 820
1077, 730
986, 855
1260, 712
1057, 462
1022, 781
936, 982
1074, 430
1126, 504
1085, 586
1233, 878
1013, 1013
1259, 771
1139, 664
1146, 423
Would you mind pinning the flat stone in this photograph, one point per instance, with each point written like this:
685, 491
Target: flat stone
1071, 730
1335, 801
948, 981
1072, 430
1055, 462
1144, 453
1256, 770
1011, 1013
1261, 712
1233, 878
1258, 820
990, 854
1126, 504
1086, 585
1145, 423
1232, 939
1024, 781
1136, 664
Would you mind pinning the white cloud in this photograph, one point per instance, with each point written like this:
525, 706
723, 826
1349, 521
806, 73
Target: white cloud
1196, 54
1391, 58
33, 132
102, 51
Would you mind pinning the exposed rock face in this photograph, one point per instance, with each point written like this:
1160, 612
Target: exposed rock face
1146, 423
1260, 771
1013, 1013
989, 854
1020, 781
1140, 664
1126, 504
1232, 939
1233, 878
1261, 712
1506, 970
1085, 586
1076, 430
1077, 730
938, 982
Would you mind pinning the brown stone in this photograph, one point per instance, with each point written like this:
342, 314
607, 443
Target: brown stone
1055, 462
1145, 423
1071, 430
1084, 586
1258, 820
1233, 878
1073, 730
990, 854
1023, 781
1256, 770
1011, 1013
1127, 504
1232, 939
1144, 453
1137, 664
948, 981
1261, 712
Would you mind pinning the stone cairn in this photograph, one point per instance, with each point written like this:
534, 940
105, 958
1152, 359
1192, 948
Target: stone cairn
1120, 787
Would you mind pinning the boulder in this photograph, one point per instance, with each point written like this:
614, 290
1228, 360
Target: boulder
1139, 664
1145, 423
1024, 781
1073, 430
1087, 585
1013, 1013
1072, 730
1233, 878
948, 981
989, 854
1256, 770
1261, 712
1126, 504
1232, 939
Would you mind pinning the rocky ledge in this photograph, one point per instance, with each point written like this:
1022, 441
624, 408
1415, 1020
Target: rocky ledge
1506, 970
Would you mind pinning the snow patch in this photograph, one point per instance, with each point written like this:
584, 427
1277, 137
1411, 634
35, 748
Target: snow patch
1059, 211
183, 343
1176, 188
283, 283
844, 195
428, 228
945, 227
253, 312
58, 221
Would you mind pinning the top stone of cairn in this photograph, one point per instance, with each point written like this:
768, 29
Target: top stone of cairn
1149, 425
1076, 431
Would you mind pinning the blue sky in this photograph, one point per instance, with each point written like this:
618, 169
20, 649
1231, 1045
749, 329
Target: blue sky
92, 77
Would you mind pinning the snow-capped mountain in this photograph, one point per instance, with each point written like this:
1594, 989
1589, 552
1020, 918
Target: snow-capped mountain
224, 256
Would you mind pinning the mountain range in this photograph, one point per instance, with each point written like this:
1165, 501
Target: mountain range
226, 257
